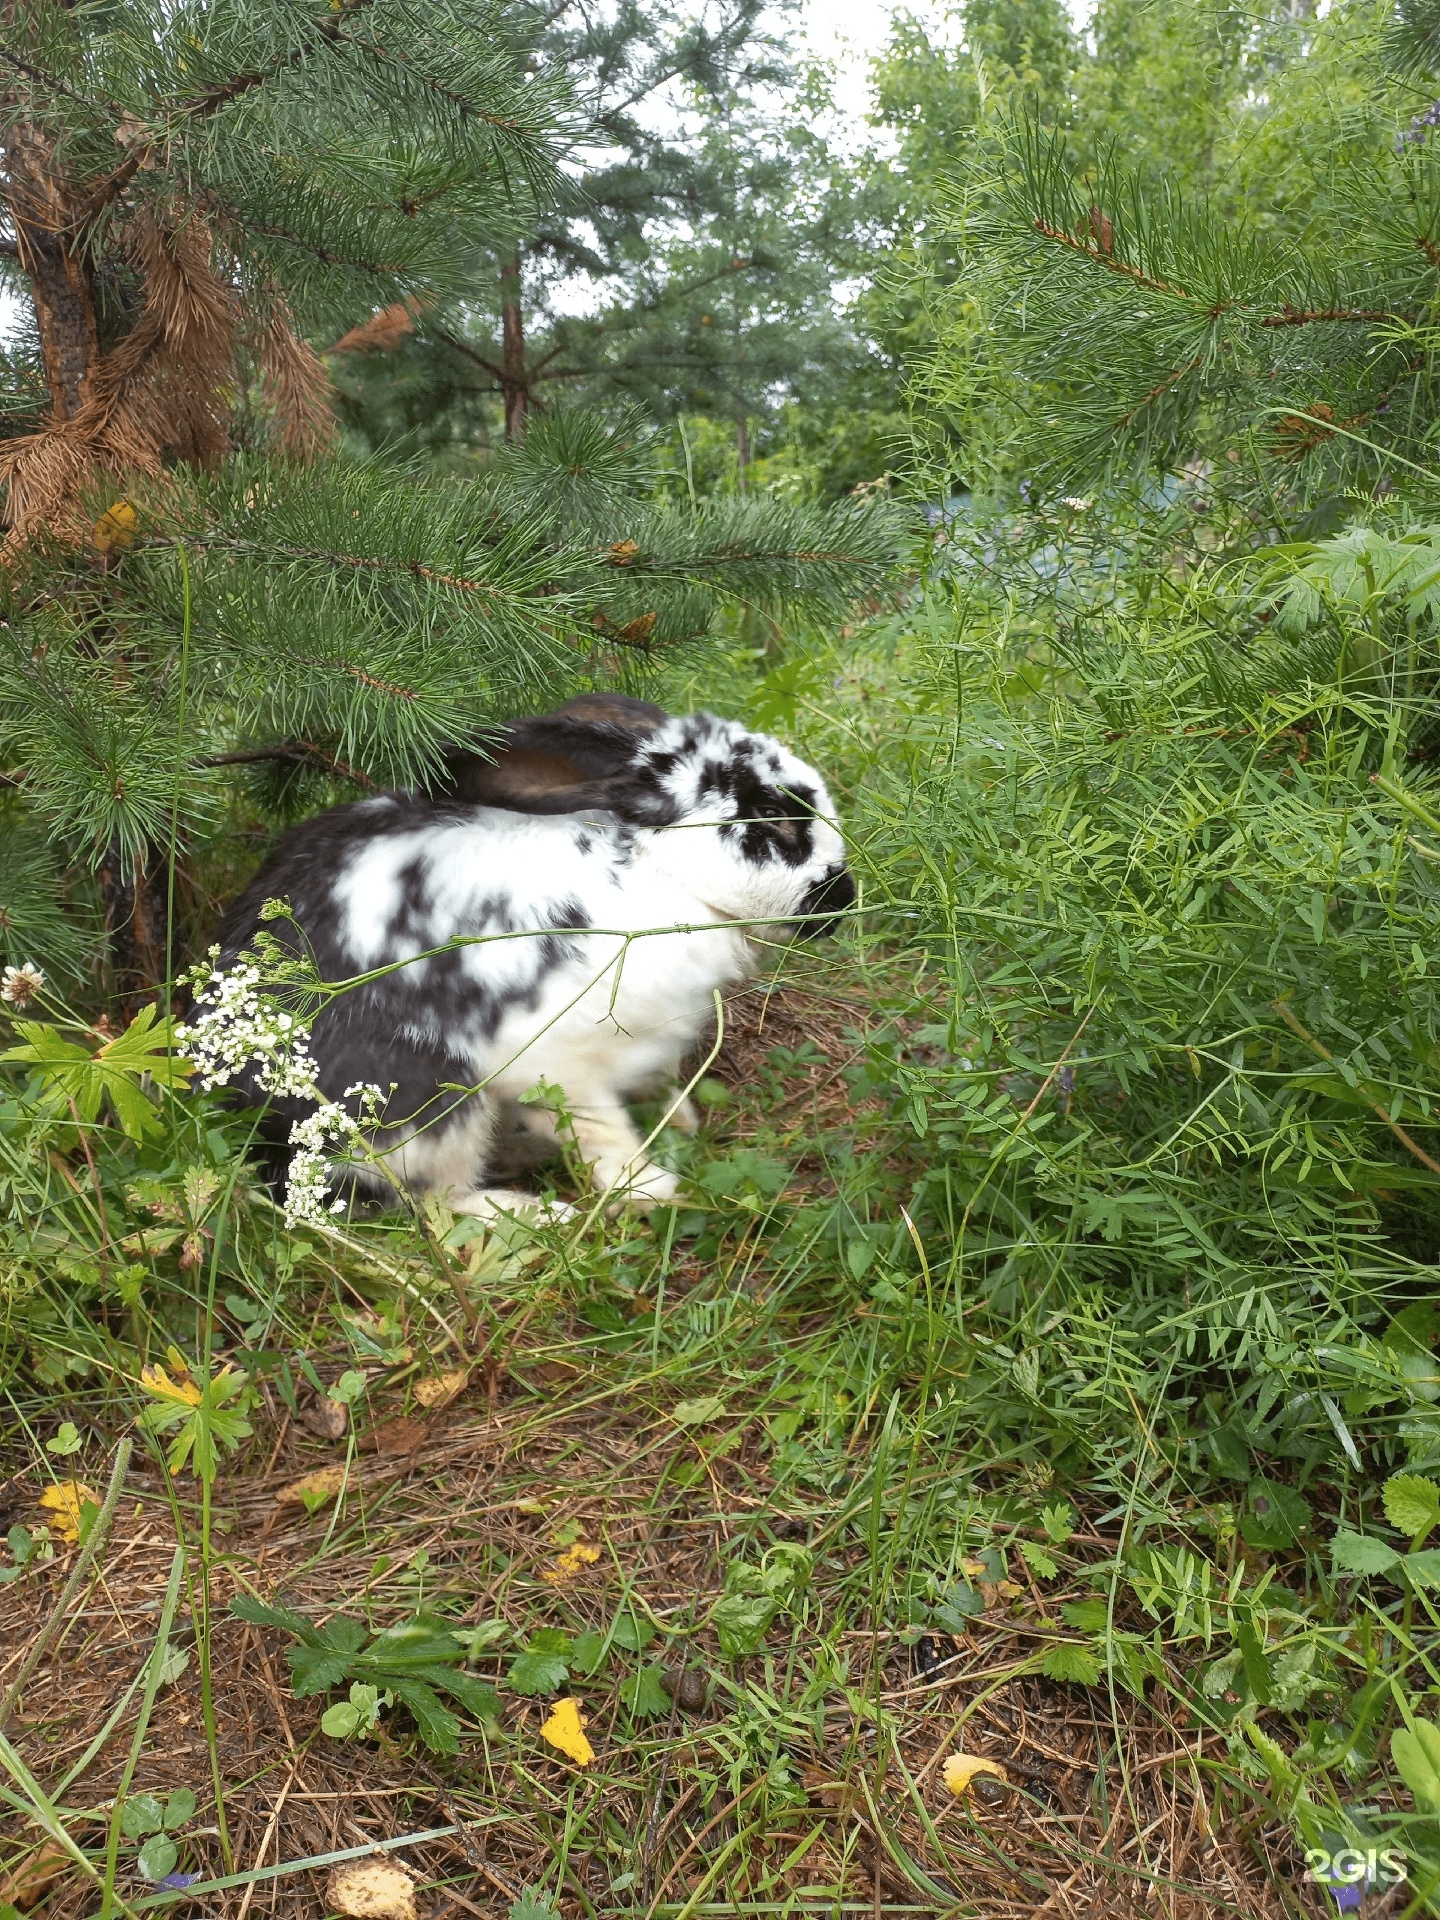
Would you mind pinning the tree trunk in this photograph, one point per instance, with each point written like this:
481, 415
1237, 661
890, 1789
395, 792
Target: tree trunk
514, 384
45, 221
132, 893
742, 446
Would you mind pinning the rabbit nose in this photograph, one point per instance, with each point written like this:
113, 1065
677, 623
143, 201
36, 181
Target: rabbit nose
828, 898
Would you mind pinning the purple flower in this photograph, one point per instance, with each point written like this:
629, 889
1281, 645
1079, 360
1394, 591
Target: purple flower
177, 1882
1419, 127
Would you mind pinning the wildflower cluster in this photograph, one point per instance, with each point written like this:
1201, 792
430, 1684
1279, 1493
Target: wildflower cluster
237, 1029
331, 1130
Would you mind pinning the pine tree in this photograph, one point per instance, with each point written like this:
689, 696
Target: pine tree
630, 171
209, 615
1121, 326
730, 315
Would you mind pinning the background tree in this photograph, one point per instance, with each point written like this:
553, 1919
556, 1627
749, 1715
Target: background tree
714, 297
939, 89
641, 73
200, 630
1118, 324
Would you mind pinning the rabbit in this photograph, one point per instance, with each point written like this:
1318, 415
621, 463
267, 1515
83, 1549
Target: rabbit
542, 848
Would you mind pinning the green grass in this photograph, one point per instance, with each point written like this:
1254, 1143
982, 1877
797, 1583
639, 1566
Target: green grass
1045, 1321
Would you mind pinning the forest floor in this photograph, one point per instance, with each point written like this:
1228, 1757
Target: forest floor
572, 1471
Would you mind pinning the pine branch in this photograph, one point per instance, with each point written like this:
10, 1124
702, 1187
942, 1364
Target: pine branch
1290, 317
1103, 257
304, 751
210, 102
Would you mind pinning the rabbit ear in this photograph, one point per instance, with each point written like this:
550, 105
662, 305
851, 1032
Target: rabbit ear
558, 762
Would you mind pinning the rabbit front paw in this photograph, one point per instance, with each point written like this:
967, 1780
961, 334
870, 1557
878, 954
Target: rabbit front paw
644, 1184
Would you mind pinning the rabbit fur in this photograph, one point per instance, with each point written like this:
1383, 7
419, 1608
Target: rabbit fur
561, 835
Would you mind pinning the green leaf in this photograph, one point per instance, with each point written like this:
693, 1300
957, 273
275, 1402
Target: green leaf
540, 1670
1255, 1661
417, 1642
1058, 1521
258, 1613
786, 1569
1275, 1515
587, 1656
1073, 1663
1416, 1753
959, 1607
476, 1696
141, 1814
741, 1621
66, 1441
115, 1070
179, 1808
439, 1728
1422, 1568
489, 1633
1090, 1616
644, 1695
347, 1635
1038, 1560
1361, 1553
157, 1857
1412, 1504
696, 1413
317, 1669
1415, 1328
342, 1720
632, 1633
533, 1905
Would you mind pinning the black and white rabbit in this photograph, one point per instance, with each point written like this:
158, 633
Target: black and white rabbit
570, 832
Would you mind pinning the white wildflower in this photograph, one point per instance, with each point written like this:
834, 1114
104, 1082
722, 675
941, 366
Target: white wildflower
316, 1140
1076, 502
20, 985
235, 1029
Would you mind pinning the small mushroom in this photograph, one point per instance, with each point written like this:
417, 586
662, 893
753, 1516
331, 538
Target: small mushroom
685, 1687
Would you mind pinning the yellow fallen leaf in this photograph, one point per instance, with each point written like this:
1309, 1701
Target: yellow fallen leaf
315, 1487
443, 1388
565, 1729
371, 1890
116, 526
64, 1502
566, 1565
156, 1381
961, 1768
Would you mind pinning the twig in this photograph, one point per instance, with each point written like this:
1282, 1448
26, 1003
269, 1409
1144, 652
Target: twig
93, 1547
1376, 1107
